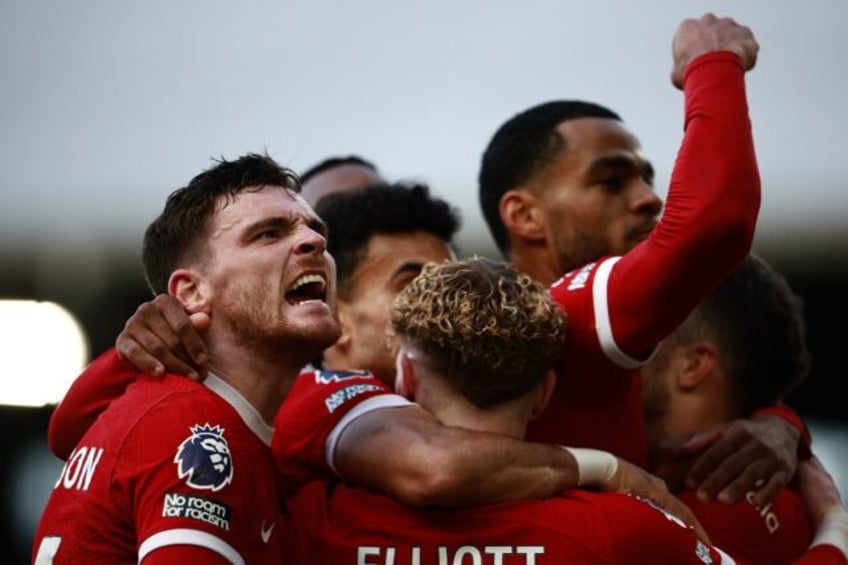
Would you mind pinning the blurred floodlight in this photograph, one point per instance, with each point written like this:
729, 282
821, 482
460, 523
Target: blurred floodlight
43, 348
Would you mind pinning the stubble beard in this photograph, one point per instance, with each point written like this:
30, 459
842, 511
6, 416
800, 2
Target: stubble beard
259, 326
575, 249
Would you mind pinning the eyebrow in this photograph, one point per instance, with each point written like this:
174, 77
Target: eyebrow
273, 222
622, 162
408, 267
285, 223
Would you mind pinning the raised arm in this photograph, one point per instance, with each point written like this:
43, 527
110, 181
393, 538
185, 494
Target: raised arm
714, 196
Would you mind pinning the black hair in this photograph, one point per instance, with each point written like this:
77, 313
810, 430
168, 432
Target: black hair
336, 161
353, 218
757, 322
521, 149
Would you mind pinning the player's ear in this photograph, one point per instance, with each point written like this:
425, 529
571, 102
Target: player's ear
699, 362
189, 288
337, 355
522, 214
344, 312
546, 391
406, 380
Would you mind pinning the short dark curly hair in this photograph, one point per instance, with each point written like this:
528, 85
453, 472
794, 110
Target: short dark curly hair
353, 218
181, 228
522, 148
488, 329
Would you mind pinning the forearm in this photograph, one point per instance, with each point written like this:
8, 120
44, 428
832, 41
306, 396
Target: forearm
714, 193
831, 540
419, 461
793, 419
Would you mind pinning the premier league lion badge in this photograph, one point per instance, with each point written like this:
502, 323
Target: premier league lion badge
204, 460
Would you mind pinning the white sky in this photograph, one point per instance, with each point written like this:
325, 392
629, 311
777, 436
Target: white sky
106, 107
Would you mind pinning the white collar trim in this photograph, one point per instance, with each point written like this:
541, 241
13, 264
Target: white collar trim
245, 409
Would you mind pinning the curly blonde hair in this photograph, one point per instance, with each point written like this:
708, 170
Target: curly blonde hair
488, 329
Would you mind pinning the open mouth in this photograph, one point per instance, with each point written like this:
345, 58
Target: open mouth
306, 288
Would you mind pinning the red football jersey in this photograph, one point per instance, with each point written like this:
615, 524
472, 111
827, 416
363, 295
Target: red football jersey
619, 309
316, 410
171, 462
777, 533
342, 524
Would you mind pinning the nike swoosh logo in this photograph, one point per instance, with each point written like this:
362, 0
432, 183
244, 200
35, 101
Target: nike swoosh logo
266, 532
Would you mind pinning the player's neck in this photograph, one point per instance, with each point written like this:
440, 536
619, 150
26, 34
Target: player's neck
263, 381
536, 262
504, 419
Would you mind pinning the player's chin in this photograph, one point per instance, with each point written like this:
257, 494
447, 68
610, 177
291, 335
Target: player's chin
305, 310
316, 321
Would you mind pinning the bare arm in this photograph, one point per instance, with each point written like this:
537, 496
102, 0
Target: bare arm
407, 453
435, 464
827, 511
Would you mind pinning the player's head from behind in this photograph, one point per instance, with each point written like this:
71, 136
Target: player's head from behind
564, 183
380, 237
239, 244
744, 347
338, 174
477, 336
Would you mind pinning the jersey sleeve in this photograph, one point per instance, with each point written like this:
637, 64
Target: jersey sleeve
103, 380
185, 554
823, 554
317, 409
785, 412
777, 532
582, 293
708, 224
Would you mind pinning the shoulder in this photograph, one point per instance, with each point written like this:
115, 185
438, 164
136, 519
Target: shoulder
584, 281
329, 392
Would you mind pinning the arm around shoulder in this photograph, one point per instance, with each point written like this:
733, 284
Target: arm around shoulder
407, 453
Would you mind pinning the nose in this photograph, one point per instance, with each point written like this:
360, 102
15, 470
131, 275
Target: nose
645, 201
310, 241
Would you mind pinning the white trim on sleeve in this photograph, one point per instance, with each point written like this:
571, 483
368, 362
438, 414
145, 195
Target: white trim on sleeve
603, 327
368, 405
187, 536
